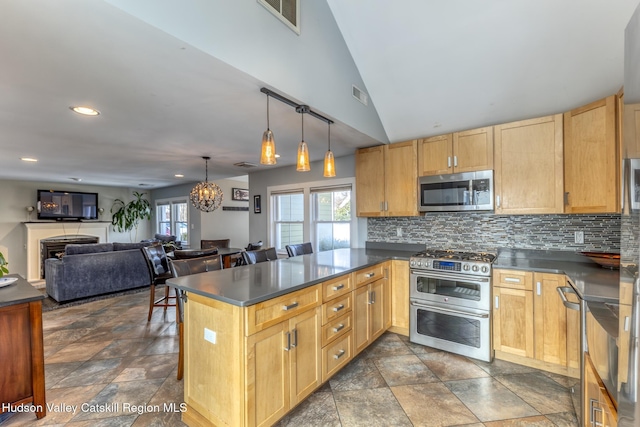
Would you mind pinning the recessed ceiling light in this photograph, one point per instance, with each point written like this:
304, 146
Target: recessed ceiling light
28, 159
179, 175
277, 156
85, 111
76, 179
144, 185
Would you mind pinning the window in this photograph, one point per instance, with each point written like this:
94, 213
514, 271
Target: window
331, 218
172, 218
312, 212
288, 219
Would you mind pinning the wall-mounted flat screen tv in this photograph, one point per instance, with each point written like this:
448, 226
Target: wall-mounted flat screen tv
67, 205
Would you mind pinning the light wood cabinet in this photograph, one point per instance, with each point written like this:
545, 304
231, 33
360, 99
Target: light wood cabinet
337, 325
591, 158
598, 408
631, 130
531, 325
372, 307
400, 297
387, 180
466, 151
528, 166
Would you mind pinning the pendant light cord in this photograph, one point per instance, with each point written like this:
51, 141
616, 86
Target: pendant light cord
267, 111
329, 136
302, 118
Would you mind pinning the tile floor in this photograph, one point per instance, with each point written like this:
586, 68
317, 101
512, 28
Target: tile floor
106, 366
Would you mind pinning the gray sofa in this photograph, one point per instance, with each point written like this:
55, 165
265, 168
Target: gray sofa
94, 269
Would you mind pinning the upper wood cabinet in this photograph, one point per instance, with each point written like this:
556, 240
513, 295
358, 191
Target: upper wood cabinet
528, 166
467, 151
631, 130
591, 158
387, 180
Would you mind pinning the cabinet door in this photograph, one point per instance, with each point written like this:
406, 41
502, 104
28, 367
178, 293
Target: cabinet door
401, 179
513, 321
591, 160
15, 353
361, 318
631, 130
473, 150
378, 296
268, 375
304, 355
370, 181
550, 319
400, 297
528, 166
435, 155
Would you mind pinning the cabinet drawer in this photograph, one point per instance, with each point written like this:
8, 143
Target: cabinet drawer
336, 328
369, 274
268, 313
336, 287
336, 355
514, 279
336, 308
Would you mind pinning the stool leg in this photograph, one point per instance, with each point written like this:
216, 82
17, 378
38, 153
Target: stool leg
151, 303
167, 291
181, 351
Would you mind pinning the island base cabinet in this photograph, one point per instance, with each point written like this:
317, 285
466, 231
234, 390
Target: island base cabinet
283, 367
372, 312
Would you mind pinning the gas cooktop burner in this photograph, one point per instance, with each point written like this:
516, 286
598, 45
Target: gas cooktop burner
478, 263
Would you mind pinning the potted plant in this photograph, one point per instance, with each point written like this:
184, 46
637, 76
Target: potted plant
127, 216
3, 265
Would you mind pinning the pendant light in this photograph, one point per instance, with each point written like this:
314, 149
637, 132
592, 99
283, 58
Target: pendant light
206, 196
268, 156
329, 162
303, 150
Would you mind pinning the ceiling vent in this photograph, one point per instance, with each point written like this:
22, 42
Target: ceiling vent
288, 11
359, 95
245, 165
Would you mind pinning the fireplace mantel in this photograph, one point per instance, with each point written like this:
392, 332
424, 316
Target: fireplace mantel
36, 231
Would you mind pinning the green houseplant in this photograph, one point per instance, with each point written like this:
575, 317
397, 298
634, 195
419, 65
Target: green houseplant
127, 216
3, 265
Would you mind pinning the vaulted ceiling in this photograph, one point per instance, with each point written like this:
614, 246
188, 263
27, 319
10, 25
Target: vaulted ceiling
175, 81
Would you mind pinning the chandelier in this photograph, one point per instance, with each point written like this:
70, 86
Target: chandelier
206, 196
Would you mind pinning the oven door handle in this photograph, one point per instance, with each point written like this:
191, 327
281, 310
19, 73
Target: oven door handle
570, 305
444, 275
447, 310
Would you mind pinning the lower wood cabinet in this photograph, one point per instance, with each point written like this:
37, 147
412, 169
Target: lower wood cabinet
283, 368
372, 311
531, 325
400, 297
598, 408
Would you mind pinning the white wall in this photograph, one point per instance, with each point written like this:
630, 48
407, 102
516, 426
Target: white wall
15, 196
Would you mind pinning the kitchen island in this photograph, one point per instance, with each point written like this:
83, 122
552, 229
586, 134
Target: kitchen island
260, 338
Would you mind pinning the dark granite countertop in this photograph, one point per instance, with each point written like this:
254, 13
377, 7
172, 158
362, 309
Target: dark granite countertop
18, 292
250, 284
591, 282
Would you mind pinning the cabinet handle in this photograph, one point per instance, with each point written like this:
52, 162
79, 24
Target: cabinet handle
372, 297
626, 323
386, 205
449, 161
512, 279
338, 328
455, 161
498, 201
369, 275
338, 308
497, 303
290, 306
339, 354
340, 286
538, 288
566, 198
288, 347
382, 206
295, 338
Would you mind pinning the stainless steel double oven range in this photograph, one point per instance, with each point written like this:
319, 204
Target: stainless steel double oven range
450, 302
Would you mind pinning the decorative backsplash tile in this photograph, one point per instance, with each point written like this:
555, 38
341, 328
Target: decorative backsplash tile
488, 232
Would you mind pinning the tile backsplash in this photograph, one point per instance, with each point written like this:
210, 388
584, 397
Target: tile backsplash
488, 232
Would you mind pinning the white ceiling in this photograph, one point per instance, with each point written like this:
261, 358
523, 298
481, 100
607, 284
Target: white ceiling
429, 68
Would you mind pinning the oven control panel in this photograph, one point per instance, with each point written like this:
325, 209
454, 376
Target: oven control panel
447, 265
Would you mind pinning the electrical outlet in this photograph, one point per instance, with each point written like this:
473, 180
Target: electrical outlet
579, 237
210, 335
399, 232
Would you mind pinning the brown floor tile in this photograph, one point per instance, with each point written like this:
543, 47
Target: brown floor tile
540, 421
373, 407
404, 370
388, 344
318, 410
432, 405
157, 366
359, 374
449, 366
539, 391
78, 352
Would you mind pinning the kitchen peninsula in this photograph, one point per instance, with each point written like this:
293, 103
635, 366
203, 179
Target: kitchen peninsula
260, 338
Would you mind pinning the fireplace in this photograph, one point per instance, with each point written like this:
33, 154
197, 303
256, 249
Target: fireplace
51, 247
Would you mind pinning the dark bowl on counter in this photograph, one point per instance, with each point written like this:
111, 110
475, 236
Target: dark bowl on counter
604, 259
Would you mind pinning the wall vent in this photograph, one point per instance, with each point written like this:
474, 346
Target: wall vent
288, 11
245, 165
359, 95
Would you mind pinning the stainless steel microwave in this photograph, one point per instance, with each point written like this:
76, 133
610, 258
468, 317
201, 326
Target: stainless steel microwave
467, 191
